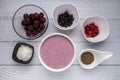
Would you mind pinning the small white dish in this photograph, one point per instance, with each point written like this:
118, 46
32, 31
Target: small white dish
99, 57
72, 9
103, 26
41, 60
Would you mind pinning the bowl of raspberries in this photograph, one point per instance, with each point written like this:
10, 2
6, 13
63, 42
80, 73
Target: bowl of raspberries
30, 22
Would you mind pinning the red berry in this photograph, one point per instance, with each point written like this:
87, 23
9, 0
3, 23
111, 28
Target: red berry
39, 30
28, 21
32, 17
26, 16
34, 33
23, 22
33, 23
41, 15
91, 30
28, 33
42, 26
36, 24
30, 28
42, 20
37, 16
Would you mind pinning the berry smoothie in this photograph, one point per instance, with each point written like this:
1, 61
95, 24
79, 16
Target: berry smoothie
57, 52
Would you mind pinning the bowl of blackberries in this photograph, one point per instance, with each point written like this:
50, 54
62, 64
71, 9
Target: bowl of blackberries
66, 16
30, 22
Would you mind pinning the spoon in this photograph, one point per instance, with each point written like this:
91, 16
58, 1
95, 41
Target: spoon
99, 57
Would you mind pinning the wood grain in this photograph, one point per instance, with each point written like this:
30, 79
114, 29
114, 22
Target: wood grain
106, 8
74, 72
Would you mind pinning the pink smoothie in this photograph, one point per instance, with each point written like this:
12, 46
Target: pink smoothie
57, 52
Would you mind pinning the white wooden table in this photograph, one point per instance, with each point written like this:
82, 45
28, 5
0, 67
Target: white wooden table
108, 70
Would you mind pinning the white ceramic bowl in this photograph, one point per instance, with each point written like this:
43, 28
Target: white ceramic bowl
49, 68
72, 9
102, 24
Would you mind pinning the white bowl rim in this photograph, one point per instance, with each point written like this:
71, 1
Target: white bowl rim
106, 26
68, 28
47, 67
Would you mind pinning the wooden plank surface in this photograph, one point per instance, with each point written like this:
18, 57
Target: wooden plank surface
108, 70
73, 73
106, 8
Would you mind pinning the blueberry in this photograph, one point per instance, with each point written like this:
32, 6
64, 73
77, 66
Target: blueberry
65, 19
66, 12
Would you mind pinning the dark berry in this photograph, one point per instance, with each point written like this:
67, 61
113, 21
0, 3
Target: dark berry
36, 23
30, 28
26, 16
25, 28
28, 21
34, 33
42, 20
42, 26
59, 23
39, 30
32, 17
28, 33
66, 12
65, 19
33, 23
41, 14
37, 16
25, 22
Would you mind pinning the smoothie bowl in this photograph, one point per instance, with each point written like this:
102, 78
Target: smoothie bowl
56, 52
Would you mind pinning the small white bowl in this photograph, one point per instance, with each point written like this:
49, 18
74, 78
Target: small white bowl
99, 57
72, 9
49, 68
103, 26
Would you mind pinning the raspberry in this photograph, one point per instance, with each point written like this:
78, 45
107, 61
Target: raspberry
91, 30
